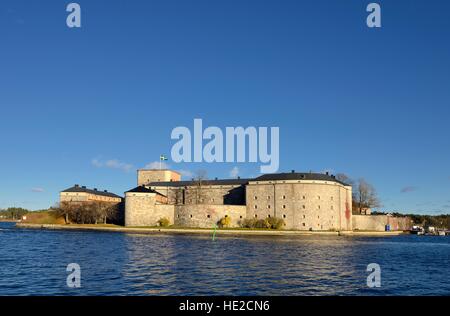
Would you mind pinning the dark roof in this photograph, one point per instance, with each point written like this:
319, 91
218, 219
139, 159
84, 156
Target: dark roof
204, 182
143, 189
83, 189
266, 177
298, 176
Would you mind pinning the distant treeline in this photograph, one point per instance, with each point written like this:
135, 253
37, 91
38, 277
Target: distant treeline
439, 221
13, 213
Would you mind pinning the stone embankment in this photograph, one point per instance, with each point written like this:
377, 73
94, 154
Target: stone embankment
191, 231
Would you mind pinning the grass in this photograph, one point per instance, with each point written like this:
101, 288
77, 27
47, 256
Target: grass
43, 217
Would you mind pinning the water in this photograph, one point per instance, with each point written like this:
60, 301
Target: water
33, 262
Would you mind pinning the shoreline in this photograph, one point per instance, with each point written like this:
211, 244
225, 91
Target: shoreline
200, 231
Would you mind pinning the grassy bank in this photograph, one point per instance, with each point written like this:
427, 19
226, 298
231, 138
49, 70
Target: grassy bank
43, 217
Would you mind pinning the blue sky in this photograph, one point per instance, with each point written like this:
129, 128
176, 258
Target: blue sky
92, 105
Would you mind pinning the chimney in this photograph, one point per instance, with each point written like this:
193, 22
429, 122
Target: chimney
327, 173
84, 187
106, 191
95, 189
216, 178
77, 185
292, 171
239, 177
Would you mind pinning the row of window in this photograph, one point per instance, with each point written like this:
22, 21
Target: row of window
256, 216
208, 216
284, 207
201, 200
284, 197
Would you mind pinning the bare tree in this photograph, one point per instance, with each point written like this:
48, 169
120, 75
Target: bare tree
365, 195
66, 210
344, 178
200, 176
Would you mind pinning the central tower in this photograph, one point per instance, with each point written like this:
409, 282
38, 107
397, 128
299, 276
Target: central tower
145, 176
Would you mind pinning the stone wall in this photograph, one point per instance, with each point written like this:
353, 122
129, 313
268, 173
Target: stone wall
206, 194
141, 210
302, 205
379, 222
206, 216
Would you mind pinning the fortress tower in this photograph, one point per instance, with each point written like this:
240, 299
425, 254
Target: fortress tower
145, 176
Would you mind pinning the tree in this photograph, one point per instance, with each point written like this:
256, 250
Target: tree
365, 195
200, 177
344, 178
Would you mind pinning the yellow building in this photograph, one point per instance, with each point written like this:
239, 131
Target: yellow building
82, 194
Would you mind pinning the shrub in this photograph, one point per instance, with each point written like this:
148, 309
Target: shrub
248, 223
225, 221
275, 222
268, 223
163, 222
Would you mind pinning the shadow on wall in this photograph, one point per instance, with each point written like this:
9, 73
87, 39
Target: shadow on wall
235, 196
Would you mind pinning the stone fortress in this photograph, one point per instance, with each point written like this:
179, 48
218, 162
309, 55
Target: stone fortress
305, 201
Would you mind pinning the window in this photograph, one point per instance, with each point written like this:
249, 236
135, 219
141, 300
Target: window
332, 207
240, 216
191, 215
284, 197
209, 216
304, 206
303, 224
268, 197
318, 217
226, 215
332, 198
304, 197
255, 197
284, 215
304, 216
284, 206
268, 216
256, 215
256, 206
318, 206
268, 206
318, 197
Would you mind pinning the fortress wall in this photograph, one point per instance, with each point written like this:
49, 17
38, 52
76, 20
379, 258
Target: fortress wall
303, 206
214, 195
197, 215
379, 222
164, 211
139, 209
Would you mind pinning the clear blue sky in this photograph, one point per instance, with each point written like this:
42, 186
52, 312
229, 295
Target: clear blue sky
372, 103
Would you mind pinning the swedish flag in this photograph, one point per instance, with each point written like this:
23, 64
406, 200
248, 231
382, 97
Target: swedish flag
162, 158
